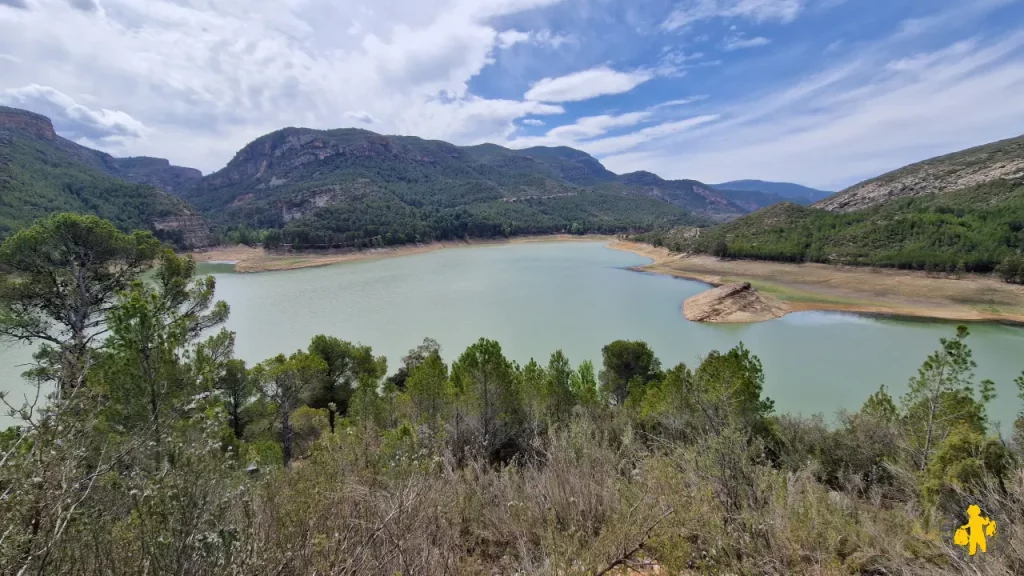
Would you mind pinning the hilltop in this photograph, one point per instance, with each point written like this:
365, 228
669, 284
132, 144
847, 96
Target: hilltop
42, 173
352, 187
1003, 160
961, 212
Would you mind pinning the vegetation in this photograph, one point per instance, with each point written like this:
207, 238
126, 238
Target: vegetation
977, 229
39, 178
169, 456
353, 188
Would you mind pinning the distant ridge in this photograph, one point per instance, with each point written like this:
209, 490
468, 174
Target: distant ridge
42, 173
787, 190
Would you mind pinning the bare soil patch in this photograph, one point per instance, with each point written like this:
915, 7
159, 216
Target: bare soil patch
849, 289
250, 259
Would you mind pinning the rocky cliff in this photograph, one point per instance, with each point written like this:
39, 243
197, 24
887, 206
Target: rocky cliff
156, 171
1003, 160
14, 120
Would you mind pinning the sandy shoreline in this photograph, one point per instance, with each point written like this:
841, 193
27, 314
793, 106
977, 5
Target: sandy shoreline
868, 291
247, 259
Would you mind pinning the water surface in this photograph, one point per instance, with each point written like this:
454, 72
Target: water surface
536, 298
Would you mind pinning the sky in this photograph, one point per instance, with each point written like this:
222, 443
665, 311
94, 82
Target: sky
820, 92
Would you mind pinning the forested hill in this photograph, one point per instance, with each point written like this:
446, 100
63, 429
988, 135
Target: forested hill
961, 212
42, 173
351, 187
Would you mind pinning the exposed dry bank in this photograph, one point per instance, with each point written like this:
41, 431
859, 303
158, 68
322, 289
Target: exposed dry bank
249, 259
849, 289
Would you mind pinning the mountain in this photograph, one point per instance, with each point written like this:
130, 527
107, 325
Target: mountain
1003, 160
352, 187
689, 195
962, 211
786, 190
42, 173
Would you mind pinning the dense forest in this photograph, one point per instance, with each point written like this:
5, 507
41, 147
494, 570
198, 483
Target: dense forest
976, 229
39, 180
152, 450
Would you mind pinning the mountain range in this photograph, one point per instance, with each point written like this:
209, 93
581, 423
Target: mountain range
784, 190
348, 187
356, 188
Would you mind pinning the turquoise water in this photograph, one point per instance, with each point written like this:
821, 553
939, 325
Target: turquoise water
536, 298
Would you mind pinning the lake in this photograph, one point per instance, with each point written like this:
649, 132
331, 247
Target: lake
537, 297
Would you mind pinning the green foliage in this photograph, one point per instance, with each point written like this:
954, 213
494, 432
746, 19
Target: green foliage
150, 365
628, 368
725, 391
287, 382
962, 464
1011, 269
583, 383
430, 391
943, 397
489, 398
976, 229
346, 365
60, 278
39, 179
238, 389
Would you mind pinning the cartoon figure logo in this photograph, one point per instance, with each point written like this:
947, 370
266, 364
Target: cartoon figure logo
973, 533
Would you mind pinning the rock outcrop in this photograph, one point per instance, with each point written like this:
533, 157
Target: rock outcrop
732, 303
157, 172
995, 161
188, 231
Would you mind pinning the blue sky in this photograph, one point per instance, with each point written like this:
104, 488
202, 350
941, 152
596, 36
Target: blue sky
821, 92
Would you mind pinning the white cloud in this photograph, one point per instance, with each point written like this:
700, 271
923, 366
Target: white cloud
681, 101
855, 121
592, 133
360, 116
582, 129
693, 11
205, 78
533, 122
510, 38
585, 85
738, 42
633, 139
74, 120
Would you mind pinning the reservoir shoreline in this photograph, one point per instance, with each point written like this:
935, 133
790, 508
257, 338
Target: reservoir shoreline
247, 259
865, 291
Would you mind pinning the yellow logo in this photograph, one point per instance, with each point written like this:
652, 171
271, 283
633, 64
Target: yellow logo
973, 533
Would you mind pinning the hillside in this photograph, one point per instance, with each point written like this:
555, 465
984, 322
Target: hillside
1003, 160
959, 212
786, 190
351, 187
42, 173
974, 230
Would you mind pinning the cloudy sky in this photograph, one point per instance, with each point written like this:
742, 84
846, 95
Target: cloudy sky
820, 92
